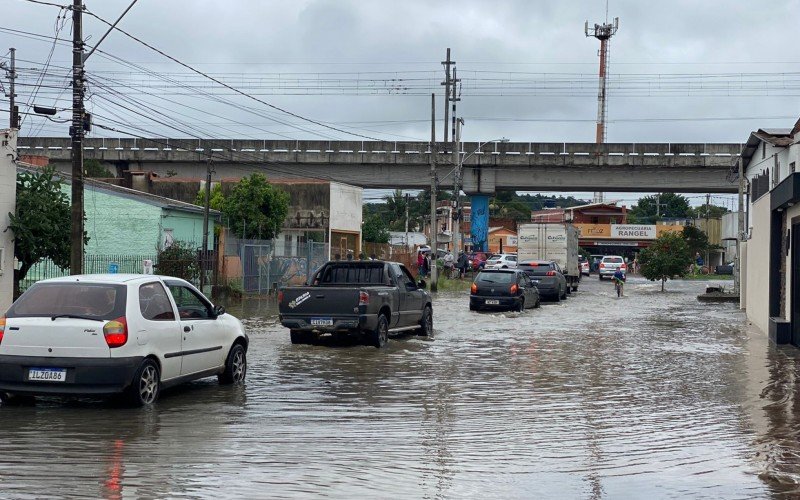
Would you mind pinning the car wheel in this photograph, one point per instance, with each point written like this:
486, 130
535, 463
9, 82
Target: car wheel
146, 384
300, 337
426, 323
380, 335
557, 297
564, 294
235, 366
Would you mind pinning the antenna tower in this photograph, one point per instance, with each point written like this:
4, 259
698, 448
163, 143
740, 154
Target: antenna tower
602, 32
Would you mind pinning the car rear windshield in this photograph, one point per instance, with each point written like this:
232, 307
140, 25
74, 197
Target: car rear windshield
495, 278
88, 300
363, 274
535, 269
613, 260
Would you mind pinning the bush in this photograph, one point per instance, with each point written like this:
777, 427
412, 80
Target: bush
179, 260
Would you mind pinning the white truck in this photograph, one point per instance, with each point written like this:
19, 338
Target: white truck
551, 241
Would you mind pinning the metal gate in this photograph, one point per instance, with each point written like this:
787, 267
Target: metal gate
263, 271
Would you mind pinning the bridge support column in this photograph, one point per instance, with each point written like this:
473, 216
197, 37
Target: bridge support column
479, 222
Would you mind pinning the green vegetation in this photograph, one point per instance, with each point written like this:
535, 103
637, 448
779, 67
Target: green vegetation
672, 206
448, 285
255, 208
217, 198
666, 258
375, 230
179, 260
93, 168
41, 222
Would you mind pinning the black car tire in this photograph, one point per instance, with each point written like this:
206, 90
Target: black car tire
380, 335
564, 295
299, 337
235, 366
10, 399
426, 323
473, 307
557, 297
145, 385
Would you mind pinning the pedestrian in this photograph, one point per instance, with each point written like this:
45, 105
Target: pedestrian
420, 264
462, 263
449, 262
337, 257
427, 264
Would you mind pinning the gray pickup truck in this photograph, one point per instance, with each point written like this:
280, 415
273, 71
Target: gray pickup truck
368, 298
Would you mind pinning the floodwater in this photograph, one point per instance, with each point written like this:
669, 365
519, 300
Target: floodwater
653, 395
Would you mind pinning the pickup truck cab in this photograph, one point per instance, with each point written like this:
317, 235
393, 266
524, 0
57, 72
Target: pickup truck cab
368, 298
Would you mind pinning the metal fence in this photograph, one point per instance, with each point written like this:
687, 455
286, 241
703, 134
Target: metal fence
92, 264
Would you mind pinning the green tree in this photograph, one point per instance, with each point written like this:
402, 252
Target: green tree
217, 198
375, 230
255, 208
40, 222
696, 240
93, 168
672, 206
710, 211
666, 258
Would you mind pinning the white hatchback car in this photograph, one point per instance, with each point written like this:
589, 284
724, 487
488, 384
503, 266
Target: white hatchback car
502, 261
116, 333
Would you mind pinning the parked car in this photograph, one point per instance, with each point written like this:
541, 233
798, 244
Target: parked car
503, 289
584, 265
610, 264
501, 261
478, 260
547, 277
116, 333
370, 299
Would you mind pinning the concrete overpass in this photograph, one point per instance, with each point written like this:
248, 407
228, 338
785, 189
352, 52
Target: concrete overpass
524, 166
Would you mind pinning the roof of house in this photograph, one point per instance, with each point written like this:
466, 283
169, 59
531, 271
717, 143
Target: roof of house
131, 194
778, 137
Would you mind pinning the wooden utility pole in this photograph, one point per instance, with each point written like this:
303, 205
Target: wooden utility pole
407, 245
434, 283
76, 132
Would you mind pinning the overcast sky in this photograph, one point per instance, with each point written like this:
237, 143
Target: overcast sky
681, 71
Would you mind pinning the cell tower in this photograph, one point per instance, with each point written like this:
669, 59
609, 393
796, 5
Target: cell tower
602, 32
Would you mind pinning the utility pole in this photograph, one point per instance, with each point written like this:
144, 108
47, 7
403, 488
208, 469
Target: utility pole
737, 268
407, 245
204, 250
76, 132
454, 99
447, 63
708, 231
457, 186
434, 283
12, 75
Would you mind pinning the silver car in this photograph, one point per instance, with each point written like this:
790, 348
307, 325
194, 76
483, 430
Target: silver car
609, 265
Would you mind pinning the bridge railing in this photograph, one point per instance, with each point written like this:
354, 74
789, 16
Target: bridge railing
43, 144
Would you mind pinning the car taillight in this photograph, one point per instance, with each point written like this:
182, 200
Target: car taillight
623, 267
602, 265
473, 288
514, 289
2, 327
280, 296
551, 273
116, 332
363, 298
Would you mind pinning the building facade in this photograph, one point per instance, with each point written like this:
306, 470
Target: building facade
770, 250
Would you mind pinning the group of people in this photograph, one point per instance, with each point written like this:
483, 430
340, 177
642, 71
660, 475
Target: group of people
461, 264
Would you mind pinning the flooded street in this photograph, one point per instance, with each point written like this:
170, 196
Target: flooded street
652, 395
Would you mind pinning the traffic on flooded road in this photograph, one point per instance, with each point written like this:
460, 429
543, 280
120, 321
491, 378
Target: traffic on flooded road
652, 394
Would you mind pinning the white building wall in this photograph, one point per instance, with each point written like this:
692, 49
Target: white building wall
8, 200
757, 264
346, 206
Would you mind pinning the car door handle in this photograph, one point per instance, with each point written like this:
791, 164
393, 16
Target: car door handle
187, 329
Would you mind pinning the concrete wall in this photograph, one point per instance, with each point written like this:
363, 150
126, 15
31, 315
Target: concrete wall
186, 226
8, 189
118, 225
757, 264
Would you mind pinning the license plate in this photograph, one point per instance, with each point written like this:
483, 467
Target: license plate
491, 302
321, 321
48, 374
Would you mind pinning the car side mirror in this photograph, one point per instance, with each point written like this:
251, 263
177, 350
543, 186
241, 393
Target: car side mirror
421, 284
219, 311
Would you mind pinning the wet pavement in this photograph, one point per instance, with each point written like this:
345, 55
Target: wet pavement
652, 395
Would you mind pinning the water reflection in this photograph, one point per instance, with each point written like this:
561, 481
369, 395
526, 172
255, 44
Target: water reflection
651, 395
